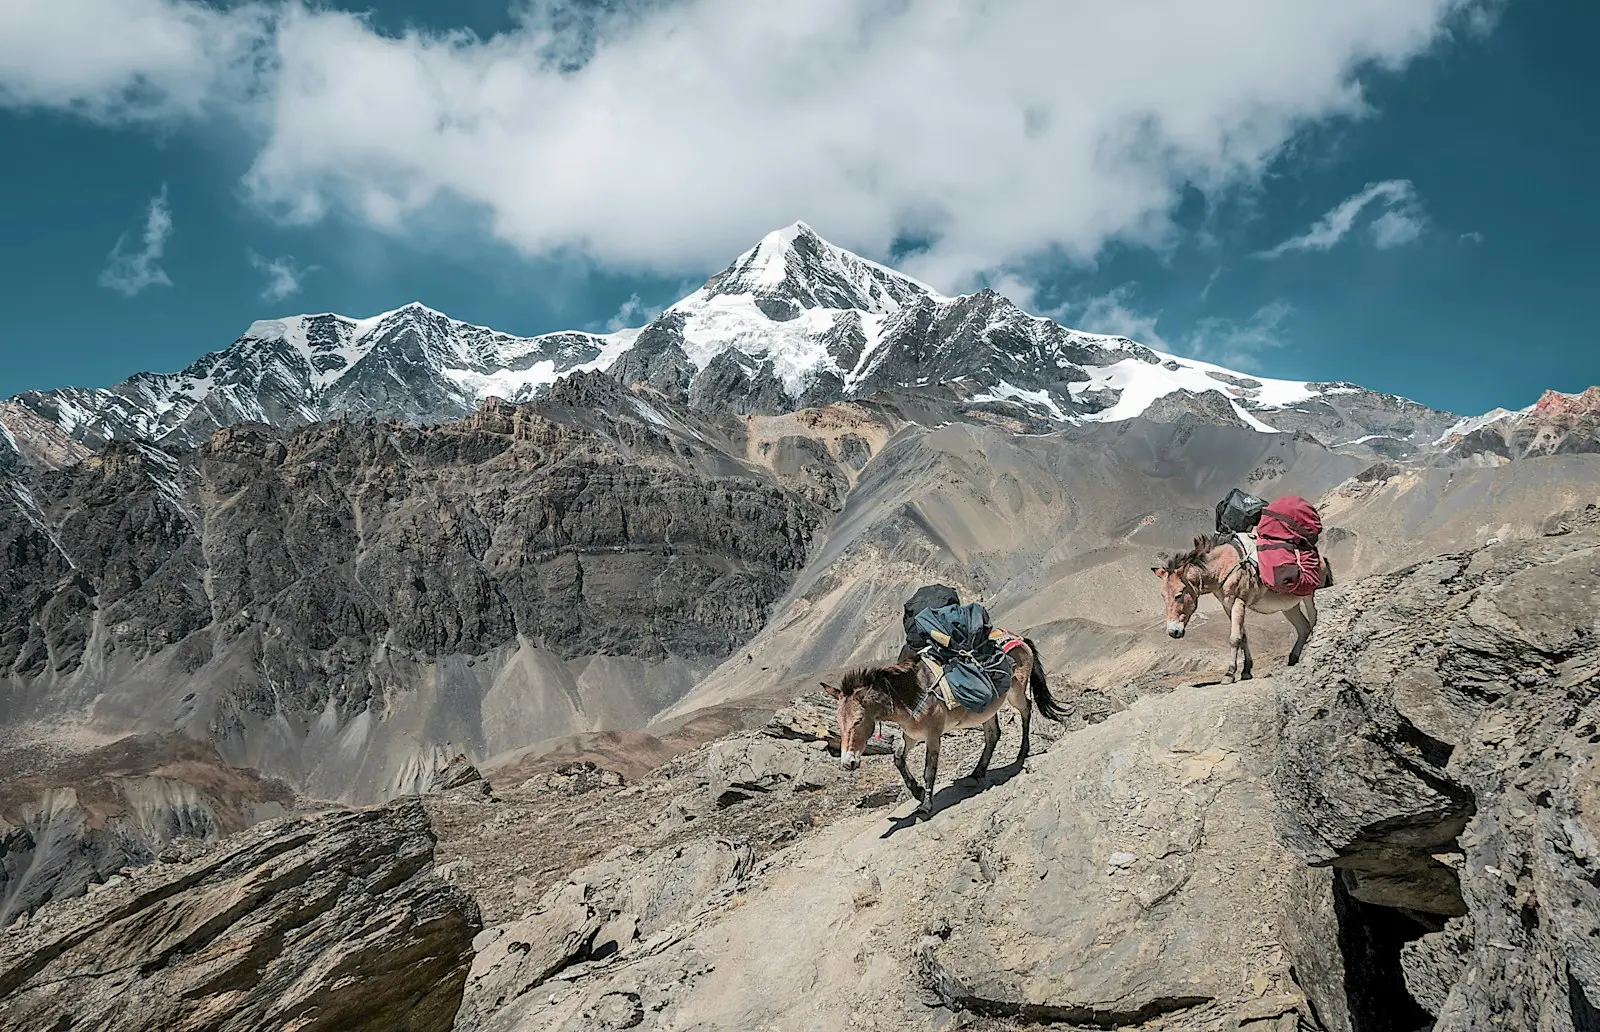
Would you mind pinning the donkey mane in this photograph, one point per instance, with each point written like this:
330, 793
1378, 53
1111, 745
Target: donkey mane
1196, 556
895, 684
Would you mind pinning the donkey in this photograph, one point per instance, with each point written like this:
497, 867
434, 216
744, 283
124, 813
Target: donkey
1215, 565
903, 693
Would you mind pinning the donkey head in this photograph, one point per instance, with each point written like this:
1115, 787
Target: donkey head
1181, 595
857, 716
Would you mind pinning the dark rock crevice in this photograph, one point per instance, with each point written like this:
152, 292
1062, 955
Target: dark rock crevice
1585, 1013
952, 994
1371, 939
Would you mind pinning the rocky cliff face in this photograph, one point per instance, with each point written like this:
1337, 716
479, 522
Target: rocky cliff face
310, 600
1441, 756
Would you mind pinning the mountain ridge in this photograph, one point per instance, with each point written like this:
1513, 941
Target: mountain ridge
794, 322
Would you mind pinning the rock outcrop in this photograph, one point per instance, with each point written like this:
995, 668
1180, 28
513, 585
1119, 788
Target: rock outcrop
1442, 755
632, 904
326, 923
460, 776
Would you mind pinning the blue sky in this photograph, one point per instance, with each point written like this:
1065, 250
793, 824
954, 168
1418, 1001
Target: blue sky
1396, 192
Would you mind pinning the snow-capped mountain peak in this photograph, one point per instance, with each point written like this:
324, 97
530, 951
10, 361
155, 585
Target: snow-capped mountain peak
793, 269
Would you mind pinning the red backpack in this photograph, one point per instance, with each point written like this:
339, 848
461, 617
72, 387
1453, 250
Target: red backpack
1286, 543
1291, 519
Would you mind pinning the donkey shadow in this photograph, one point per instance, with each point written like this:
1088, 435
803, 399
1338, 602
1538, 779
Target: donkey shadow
959, 791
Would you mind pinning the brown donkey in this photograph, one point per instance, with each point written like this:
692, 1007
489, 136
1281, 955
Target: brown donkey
1216, 566
904, 694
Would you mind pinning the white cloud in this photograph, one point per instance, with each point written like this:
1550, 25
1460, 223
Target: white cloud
668, 135
1211, 281
1401, 224
1114, 313
124, 59
1393, 228
1472, 237
129, 272
1227, 342
284, 277
1239, 345
632, 313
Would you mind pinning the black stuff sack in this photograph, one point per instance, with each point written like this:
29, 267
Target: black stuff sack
929, 596
1239, 512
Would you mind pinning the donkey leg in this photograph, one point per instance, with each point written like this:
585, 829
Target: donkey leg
1236, 638
1249, 663
905, 772
1302, 631
930, 771
1026, 709
991, 738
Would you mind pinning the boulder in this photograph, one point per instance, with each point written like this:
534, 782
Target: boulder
803, 720
809, 722
326, 922
459, 774
570, 779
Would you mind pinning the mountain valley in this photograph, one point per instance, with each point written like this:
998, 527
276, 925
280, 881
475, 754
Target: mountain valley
577, 590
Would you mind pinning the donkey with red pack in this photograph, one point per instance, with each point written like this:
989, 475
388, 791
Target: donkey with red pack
944, 686
1274, 569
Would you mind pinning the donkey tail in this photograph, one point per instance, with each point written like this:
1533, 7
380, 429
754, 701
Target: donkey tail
1327, 573
1041, 688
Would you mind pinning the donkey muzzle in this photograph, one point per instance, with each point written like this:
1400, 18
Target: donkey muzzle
849, 760
1175, 629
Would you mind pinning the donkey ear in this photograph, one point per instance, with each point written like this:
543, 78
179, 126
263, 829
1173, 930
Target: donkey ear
1158, 571
831, 690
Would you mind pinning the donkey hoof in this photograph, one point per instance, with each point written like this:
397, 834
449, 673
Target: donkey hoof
1294, 660
1247, 676
924, 813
